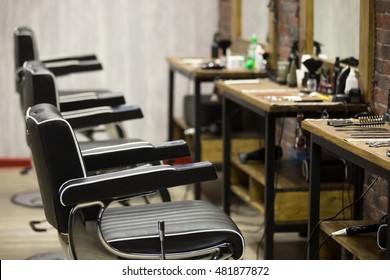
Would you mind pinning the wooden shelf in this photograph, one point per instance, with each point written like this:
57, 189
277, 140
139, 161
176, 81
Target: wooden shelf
291, 200
362, 246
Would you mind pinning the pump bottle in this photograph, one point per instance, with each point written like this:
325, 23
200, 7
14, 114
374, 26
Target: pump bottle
351, 82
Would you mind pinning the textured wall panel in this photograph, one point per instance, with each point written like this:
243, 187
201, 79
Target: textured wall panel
130, 37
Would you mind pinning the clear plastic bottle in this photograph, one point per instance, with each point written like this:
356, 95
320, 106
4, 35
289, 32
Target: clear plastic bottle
251, 55
311, 84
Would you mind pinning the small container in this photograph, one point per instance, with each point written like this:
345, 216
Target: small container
351, 82
235, 62
311, 84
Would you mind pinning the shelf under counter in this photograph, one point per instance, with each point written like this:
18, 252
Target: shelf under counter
361, 246
291, 200
212, 146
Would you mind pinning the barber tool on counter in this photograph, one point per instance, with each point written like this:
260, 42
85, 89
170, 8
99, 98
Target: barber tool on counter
380, 228
363, 121
335, 74
218, 53
312, 65
293, 65
219, 46
347, 87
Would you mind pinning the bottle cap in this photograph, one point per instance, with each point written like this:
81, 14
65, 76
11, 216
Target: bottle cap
254, 38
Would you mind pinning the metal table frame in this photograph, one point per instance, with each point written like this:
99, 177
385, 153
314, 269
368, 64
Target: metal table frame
199, 76
270, 114
318, 143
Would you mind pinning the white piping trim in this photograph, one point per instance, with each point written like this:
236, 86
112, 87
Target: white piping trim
118, 147
90, 95
87, 112
126, 173
62, 63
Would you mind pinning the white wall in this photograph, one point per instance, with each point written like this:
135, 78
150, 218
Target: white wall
130, 37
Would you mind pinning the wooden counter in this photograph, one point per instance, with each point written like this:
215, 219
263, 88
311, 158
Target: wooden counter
270, 100
354, 149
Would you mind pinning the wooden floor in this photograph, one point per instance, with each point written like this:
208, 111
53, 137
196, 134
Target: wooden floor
18, 241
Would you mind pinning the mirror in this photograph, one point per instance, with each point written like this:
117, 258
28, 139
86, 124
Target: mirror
254, 19
366, 38
336, 27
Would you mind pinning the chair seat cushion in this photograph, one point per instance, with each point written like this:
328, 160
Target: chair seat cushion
189, 226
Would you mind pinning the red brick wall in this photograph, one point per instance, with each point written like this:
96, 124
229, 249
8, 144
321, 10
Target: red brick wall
287, 18
382, 55
375, 201
287, 26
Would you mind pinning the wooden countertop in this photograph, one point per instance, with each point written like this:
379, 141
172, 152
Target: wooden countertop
349, 141
191, 66
273, 97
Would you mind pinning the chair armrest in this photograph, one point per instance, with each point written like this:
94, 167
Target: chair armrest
124, 184
65, 67
71, 101
70, 57
102, 115
124, 152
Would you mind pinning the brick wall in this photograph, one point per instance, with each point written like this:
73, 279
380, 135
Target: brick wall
287, 20
376, 198
375, 201
382, 55
287, 26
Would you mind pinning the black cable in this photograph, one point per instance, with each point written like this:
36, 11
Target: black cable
333, 217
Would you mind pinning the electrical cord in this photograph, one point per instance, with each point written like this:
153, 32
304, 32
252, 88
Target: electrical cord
338, 213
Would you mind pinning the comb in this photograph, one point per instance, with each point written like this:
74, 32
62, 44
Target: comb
365, 121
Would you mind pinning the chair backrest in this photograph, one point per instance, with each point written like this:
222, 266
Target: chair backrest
38, 85
25, 46
57, 159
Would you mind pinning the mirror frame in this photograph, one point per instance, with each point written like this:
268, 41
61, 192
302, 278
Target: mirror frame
366, 41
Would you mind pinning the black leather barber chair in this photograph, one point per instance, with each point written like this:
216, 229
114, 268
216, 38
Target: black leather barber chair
26, 49
82, 207
39, 86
